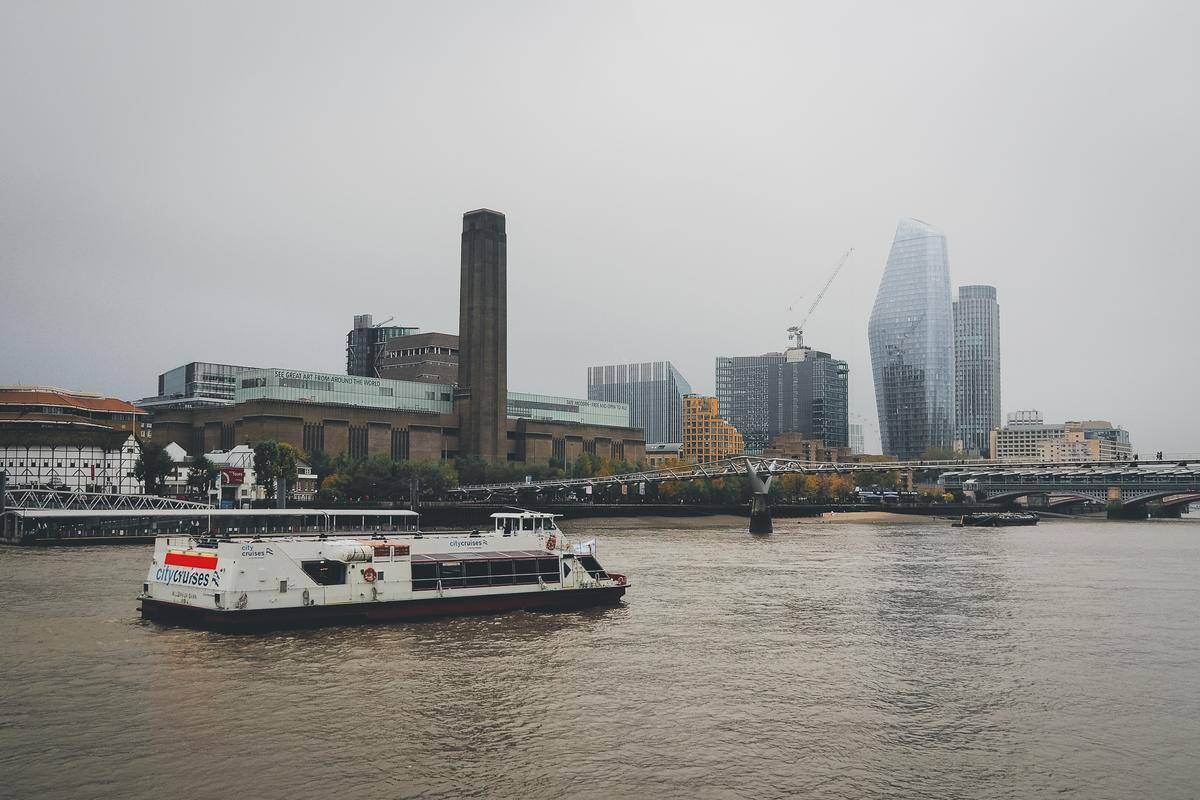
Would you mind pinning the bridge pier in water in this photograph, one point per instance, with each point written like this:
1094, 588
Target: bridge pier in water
760, 506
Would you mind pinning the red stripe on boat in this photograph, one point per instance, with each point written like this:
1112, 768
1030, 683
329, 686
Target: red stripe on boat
197, 561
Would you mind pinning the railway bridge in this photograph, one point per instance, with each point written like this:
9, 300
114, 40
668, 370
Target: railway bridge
1128, 489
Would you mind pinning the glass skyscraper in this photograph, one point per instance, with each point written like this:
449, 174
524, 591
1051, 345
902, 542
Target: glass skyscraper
911, 333
653, 391
976, 367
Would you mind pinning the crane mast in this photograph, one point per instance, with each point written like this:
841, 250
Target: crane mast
796, 332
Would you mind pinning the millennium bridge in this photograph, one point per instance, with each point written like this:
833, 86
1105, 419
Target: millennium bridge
1126, 487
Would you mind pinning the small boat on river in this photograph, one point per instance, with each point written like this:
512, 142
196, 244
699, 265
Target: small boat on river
233, 582
998, 519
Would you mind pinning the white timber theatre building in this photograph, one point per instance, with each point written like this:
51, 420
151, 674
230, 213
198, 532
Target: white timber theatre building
66, 440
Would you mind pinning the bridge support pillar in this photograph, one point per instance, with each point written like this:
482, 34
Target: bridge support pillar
760, 506
760, 514
1118, 511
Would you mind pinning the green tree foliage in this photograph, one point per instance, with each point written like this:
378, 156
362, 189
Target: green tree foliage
322, 465
274, 460
266, 465
152, 467
202, 474
380, 479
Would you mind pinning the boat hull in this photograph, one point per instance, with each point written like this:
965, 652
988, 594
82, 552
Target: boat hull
377, 612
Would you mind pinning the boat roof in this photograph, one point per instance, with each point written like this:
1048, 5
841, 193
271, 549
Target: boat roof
523, 514
482, 555
176, 513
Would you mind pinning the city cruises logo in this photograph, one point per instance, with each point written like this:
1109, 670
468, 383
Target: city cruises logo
189, 569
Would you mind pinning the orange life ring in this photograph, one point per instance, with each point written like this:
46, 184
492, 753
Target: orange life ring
551, 542
369, 575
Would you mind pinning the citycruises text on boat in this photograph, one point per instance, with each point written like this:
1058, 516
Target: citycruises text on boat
392, 572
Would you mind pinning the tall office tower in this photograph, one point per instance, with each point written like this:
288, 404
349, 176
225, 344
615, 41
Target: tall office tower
653, 391
743, 396
364, 344
802, 390
911, 333
482, 395
976, 367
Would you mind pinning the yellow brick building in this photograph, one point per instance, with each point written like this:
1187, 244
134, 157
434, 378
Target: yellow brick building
707, 437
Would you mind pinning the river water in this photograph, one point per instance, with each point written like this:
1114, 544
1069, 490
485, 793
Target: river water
837, 659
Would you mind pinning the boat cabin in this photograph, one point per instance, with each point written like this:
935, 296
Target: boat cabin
509, 523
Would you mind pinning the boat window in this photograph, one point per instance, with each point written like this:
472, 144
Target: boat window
477, 573
450, 573
549, 569
502, 573
592, 566
325, 573
526, 570
424, 576
527, 523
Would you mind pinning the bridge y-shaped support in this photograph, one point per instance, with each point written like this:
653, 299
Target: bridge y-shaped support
760, 509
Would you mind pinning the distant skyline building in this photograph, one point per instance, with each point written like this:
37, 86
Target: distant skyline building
1027, 437
858, 444
911, 333
799, 391
976, 367
653, 391
364, 344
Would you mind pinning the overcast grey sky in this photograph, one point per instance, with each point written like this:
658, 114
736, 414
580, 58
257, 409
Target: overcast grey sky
234, 181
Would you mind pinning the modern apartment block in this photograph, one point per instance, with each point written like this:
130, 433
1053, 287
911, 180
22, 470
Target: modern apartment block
707, 437
1026, 437
364, 344
911, 333
976, 367
653, 391
802, 390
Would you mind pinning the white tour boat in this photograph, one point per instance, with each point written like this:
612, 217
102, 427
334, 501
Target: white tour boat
232, 581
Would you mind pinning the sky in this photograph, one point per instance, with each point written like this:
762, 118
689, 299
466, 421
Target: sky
234, 181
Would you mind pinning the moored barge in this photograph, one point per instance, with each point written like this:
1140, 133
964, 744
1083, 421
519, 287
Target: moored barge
254, 582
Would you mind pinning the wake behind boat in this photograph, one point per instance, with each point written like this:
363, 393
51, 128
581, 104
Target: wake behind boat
244, 582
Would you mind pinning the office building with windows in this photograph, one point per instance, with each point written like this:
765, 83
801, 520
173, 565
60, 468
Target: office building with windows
200, 383
802, 391
911, 333
976, 367
653, 391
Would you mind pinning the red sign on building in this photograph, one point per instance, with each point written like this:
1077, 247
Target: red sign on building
233, 476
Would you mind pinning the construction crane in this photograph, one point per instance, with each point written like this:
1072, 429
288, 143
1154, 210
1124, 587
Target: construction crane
381, 324
796, 332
